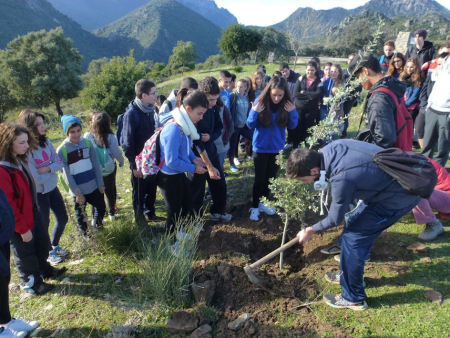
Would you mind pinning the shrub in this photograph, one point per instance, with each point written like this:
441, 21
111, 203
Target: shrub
237, 69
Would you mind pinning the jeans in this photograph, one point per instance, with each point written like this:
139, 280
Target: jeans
53, 201
265, 169
439, 200
357, 240
97, 200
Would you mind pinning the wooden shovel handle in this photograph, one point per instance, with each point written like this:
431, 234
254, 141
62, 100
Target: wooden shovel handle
274, 253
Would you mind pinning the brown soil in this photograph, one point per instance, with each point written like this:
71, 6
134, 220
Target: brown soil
227, 248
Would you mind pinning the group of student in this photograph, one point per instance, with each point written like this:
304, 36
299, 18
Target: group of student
181, 142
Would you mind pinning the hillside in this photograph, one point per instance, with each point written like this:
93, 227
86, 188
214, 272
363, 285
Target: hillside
158, 26
406, 8
208, 9
18, 17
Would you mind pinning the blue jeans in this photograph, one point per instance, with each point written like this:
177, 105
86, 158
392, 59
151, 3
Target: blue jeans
357, 240
53, 201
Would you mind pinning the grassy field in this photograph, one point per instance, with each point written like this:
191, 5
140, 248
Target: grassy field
104, 291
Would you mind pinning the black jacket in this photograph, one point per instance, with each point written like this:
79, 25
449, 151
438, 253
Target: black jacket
380, 112
210, 124
425, 91
307, 100
425, 54
292, 80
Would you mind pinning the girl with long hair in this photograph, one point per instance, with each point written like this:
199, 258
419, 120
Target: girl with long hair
269, 117
396, 65
44, 164
107, 149
411, 77
258, 82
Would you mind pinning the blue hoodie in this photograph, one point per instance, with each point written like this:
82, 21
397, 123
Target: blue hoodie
271, 139
348, 165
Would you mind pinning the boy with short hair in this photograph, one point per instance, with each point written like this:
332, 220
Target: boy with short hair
385, 59
224, 86
82, 172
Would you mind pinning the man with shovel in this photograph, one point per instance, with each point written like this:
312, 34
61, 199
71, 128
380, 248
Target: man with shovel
348, 166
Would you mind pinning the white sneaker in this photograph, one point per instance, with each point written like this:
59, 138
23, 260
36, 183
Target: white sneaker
254, 214
432, 230
18, 325
5, 333
236, 161
267, 210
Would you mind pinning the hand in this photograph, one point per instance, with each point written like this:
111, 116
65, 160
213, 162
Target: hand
289, 106
137, 173
43, 170
80, 199
214, 174
259, 107
205, 137
305, 235
199, 170
101, 189
26, 237
199, 162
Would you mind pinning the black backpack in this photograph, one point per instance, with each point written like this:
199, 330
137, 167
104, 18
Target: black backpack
414, 172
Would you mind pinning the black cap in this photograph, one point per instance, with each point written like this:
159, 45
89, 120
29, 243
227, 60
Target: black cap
362, 60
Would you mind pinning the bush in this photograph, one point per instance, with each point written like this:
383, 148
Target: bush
237, 69
214, 61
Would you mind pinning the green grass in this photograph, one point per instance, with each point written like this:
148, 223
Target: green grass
105, 288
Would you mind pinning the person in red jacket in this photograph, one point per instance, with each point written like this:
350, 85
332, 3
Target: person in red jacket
439, 201
30, 241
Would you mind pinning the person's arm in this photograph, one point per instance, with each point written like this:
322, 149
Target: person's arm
252, 120
297, 91
128, 144
170, 140
381, 120
423, 96
315, 94
115, 150
39, 178
96, 165
56, 164
413, 96
293, 119
217, 127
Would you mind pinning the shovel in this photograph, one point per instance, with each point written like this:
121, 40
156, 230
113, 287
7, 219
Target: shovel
249, 268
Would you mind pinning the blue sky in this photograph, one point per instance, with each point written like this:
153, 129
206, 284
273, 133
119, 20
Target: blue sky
268, 12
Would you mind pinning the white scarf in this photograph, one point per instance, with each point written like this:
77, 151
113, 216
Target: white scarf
182, 118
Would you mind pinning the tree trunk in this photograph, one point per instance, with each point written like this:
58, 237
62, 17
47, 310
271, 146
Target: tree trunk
58, 107
283, 239
295, 61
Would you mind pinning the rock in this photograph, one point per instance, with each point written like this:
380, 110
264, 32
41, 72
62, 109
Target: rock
434, 296
417, 247
426, 260
182, 321
239, 322
204, 292
202, 332
224, 271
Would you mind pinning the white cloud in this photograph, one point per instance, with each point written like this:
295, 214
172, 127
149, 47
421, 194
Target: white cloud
269, 12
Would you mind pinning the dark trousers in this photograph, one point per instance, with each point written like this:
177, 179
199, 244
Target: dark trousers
31, 257
144, 196
437, 134
420, 125
111, 191
357, 240
234, 141
265, 169
300, 133
53, 201
97, 200
176, 193
218, 190
5, 315
346, 108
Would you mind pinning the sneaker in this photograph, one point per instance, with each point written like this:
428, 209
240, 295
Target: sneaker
60, 251
336, 301
5, 333
432, 230
335, 278
332, 250
221, 217
54, 273
254, 214
236, 162
18, 325
233, 168
53, 259
267, 210
39, 290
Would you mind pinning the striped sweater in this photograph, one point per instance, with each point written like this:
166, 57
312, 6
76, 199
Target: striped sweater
82, 170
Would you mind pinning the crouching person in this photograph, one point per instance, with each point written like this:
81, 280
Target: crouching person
347, 164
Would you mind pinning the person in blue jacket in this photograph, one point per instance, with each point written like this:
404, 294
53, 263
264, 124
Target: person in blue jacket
347, 165
411, 78
269, 117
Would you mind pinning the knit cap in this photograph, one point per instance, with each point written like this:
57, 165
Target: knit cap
421, 32
68, 121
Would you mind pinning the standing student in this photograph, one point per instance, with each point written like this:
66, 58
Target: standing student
422, 49
9, 327
337, 76
327, 83
317, 61
326, 71
240, 106
262, 68
83, 173
108, 152
396, 66
30, 242
411, 78
308, 94
223, 141
258, 83
232, 82
44, 164
176, 141
290, 76
224, 86
269, 118
138, 127
385, 59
